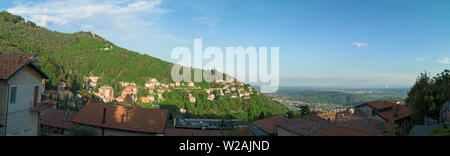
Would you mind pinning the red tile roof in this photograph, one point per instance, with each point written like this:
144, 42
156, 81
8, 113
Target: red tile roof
118, 117
315, 125
389, 115
11, 63
49, 102
383, 104
267, 124
192, 132
57, 118
344, 131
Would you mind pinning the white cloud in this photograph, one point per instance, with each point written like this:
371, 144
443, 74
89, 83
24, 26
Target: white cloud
420, 59
444, 61
359, 44
210, 21
64, 12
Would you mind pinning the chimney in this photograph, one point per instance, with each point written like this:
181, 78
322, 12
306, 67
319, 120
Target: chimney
336, 118
397, 108
104, 115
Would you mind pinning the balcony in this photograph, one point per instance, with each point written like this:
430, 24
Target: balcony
46, 104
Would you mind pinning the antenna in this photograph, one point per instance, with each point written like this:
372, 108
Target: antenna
351, 100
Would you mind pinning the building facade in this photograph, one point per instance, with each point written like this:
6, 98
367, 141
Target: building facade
20, 94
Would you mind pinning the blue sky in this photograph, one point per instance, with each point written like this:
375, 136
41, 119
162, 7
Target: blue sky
398, 39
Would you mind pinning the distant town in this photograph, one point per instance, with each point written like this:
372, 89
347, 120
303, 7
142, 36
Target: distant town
27, 100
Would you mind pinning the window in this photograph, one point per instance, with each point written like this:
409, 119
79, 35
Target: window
374, 112
12, 95
448, 106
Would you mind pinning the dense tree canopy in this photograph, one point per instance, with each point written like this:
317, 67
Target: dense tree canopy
428, 94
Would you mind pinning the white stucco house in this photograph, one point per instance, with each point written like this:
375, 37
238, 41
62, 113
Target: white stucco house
20, 94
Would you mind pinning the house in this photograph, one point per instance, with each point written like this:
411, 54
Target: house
151, 98
154, 80
117, 120
191, 84
160, 96
51, 104
211, 97
55, 122
389, 111
52, 94
152, 84
267, 125
108, 99
124, 84
106, 91
20, 94
445, 113
148, 85
145, 99
332, 124
130, 90
92, 81
191, 98
120, 98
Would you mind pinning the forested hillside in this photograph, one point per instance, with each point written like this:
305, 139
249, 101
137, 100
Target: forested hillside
70, 57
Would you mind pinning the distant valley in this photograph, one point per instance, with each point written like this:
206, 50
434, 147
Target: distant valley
334, 99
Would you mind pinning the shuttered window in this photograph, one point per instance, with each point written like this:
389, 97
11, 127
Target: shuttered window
12, 95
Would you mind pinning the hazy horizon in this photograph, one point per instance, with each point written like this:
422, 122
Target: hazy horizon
335, 44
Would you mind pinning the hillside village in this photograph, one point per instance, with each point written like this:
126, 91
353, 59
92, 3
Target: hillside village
96, 118
156, 90
61, 93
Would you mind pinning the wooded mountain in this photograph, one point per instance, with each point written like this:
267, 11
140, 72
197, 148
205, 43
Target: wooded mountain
70, 57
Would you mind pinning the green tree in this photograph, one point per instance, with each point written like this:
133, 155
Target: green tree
428, 94
81, 131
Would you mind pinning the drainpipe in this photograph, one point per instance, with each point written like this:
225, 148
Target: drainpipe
7, 104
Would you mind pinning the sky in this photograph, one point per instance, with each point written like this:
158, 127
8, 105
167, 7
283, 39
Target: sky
323, 43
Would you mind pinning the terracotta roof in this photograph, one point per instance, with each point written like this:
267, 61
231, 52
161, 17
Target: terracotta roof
135, 119
57, 118
389, 115
12, 63
319, 125
51, 92
192, 132
267, 124
128, 89
49, 102
308, 125
344, 131
382, 104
